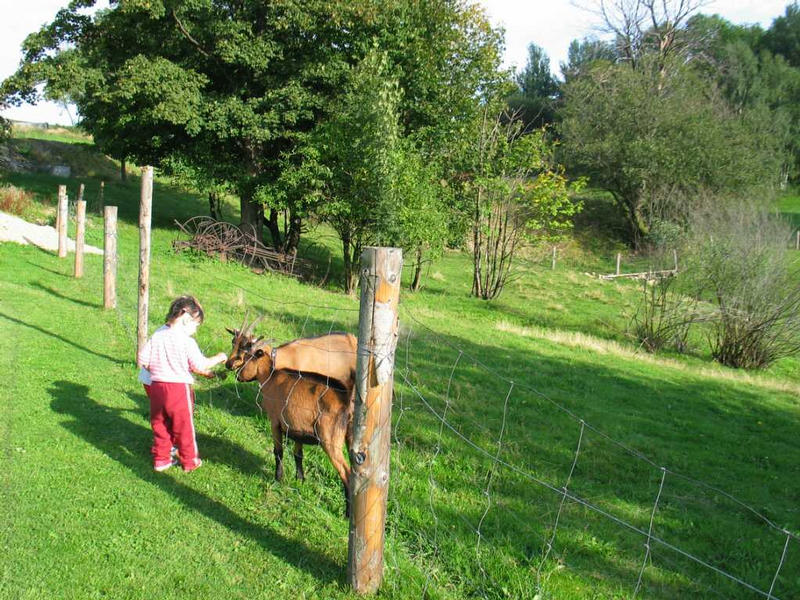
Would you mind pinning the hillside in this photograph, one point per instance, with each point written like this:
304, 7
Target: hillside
537, 453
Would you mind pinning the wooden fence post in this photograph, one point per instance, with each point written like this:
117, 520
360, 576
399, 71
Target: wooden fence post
80, 193
372, 418
80, 234
553, 266
619, 260
797, 241
61, 220
100, 198
675, 256
145, 206
110, 257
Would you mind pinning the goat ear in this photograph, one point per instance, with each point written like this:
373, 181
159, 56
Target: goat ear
258, 353
231, 331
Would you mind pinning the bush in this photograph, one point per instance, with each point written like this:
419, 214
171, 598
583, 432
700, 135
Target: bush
664, 316
15, 200
738, 262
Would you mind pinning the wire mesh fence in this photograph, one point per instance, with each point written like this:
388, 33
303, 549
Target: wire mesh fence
500, 490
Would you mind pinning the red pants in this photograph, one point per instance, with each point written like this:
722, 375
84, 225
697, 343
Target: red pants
171, 409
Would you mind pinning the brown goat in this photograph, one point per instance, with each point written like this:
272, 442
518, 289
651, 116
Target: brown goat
308, 408
332, 355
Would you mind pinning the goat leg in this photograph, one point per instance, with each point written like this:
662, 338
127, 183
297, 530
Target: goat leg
298, 461
277, 450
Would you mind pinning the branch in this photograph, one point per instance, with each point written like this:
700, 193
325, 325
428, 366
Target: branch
188, 36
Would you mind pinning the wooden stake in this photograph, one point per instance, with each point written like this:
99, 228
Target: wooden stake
100, 197
619, 260
675, 256
797, 242
80, 193
553, 267
369, 454
80, 234
110, 257
145, 206
61, 220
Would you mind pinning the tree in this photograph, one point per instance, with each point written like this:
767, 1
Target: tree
582, 54
652, 141
783, 37
514, 191
654, 29
535, 101
422, 200
236, 88
359, 145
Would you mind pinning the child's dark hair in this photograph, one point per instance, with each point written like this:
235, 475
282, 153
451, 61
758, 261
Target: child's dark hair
185, 304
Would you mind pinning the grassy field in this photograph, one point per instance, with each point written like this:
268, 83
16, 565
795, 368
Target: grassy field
498, 407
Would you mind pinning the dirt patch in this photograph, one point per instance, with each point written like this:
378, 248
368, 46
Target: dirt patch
14, 229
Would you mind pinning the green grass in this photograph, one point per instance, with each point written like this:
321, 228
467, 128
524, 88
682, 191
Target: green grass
789, 206
81, 498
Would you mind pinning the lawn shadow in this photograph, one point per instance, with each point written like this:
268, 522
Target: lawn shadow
57, 294
122, 440
213, 448
43, 268
63, 339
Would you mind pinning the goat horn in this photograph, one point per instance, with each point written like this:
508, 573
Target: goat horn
243, 328
251, 326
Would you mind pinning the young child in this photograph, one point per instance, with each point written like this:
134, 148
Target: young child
168, 360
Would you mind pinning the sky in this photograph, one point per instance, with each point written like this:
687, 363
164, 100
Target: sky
551, 24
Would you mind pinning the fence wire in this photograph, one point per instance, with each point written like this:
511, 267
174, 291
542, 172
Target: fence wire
754, 558
467, 472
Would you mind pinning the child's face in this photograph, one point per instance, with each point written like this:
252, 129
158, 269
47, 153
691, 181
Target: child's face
189, 323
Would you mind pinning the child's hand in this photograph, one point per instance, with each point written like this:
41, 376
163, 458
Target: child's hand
220, 358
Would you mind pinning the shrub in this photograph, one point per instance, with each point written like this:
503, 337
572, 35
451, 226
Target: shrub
664, 316
15, 200
738, 262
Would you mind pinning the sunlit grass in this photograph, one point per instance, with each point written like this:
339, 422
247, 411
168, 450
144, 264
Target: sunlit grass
513, 379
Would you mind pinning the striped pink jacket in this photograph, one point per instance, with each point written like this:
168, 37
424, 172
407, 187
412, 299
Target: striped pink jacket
170, 355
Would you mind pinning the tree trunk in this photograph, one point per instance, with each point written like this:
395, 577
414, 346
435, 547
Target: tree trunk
214, 208
252, 217
293, 235
348, 265
275, 230
123, 173
416, 281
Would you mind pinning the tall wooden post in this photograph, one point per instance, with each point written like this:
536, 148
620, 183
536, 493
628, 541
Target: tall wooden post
145, 206
100, 197
675, 257
110, 257
80, 192
372, 418
61, 220
797, 241
619, 260
553, 266
80, 234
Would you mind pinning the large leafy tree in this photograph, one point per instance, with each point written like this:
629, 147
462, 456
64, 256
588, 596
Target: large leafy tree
235, 88
652, 139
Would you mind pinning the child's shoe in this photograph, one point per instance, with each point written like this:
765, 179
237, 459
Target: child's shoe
192, 467
163, 466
